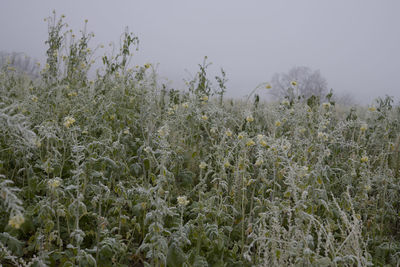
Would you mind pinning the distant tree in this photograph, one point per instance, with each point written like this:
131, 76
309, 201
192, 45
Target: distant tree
20, 61
299, 81
345, 99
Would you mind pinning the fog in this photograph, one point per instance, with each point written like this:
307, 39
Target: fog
355, 44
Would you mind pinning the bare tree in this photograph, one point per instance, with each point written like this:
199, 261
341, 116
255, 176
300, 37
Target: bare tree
299, 81
345, 99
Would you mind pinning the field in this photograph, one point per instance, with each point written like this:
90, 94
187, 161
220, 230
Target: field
119, 170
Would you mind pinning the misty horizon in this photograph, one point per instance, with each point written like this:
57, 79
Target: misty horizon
354, 45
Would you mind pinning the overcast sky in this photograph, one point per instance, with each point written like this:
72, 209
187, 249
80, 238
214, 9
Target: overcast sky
354, 43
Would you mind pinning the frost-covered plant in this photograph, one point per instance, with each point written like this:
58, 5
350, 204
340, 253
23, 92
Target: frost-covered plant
119, 169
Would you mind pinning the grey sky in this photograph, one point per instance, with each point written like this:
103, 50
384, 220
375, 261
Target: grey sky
354, 43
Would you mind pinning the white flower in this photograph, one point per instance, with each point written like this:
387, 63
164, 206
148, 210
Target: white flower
16, 221
182, 201
163, 131
54, 183
203, 165
326, 105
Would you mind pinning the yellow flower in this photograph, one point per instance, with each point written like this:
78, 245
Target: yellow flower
372, 108
203, 165
182, 201
364, 159
16, 221
259, 162
227, 164
72, 94
228, 133
249, 118
363, 127
185, 105
323, 136
204, 98
38, 143
34, 98
285, 102
263, 143
294, 83
54, 183
302, 130
126, 131
240, 136
204, 117
68, 121
268, 86
326, 105
163, 131
170, 111
147, 65
277, 123
250, 142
